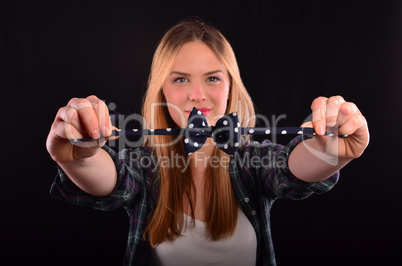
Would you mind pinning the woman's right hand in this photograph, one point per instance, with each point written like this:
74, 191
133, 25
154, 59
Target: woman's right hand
80, 118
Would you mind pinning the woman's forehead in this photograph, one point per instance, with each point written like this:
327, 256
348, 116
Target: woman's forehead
197, 57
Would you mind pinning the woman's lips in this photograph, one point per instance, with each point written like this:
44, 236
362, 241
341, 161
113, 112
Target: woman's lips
205, 111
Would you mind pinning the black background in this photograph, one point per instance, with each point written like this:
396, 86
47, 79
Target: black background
289, 52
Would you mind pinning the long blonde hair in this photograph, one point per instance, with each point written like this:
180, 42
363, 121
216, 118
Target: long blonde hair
167, 221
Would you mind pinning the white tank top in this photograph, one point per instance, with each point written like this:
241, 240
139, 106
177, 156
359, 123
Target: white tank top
195, 249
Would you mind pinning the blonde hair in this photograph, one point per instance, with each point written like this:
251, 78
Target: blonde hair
167, 220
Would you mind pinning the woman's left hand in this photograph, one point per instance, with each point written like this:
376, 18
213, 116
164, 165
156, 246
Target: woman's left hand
336, 115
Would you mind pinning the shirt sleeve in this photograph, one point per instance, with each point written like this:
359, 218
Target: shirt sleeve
132, 177
270, 164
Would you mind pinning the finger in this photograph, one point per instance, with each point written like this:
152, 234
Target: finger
318, 108
307, 124
63, 129
354, 125
87, 117
346, 110
332, 110
67, 124
102, 113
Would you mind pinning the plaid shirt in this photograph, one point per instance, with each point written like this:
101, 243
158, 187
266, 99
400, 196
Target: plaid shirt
258, 173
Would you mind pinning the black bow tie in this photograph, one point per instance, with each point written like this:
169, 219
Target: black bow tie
225, 134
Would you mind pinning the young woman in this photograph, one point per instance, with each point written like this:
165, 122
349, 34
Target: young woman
205, 207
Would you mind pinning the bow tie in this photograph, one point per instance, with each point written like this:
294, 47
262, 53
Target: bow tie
225, 134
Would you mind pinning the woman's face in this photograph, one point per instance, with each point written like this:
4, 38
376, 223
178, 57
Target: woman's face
197, 79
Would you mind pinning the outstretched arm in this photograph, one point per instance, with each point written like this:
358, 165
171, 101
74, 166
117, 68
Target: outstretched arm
86, 164
315, 159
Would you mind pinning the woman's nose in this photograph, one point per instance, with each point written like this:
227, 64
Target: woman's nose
196, 93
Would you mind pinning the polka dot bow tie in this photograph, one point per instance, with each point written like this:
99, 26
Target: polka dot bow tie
225, 134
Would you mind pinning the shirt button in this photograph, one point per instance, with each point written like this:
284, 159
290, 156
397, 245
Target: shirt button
253, 212
246, 199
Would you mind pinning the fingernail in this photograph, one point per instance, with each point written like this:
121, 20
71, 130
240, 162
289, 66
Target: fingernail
95, 134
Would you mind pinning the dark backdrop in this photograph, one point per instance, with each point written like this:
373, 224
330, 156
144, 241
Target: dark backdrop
289, 52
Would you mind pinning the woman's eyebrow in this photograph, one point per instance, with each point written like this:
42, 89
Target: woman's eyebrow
213, 72
187, 74
179, 73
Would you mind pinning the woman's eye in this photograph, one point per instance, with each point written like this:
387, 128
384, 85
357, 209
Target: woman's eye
214, 79
180, 80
